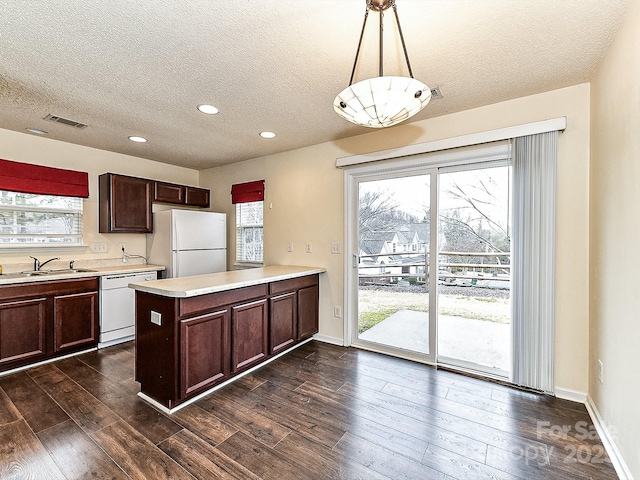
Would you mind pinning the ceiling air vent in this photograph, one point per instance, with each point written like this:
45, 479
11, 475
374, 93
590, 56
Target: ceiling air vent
436, 94
65, 121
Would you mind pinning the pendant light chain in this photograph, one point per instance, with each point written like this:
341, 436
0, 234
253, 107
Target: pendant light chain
355, 62
381, 65
404, 46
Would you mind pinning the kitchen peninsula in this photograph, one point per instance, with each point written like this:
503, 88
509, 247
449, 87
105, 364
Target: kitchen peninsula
193, 333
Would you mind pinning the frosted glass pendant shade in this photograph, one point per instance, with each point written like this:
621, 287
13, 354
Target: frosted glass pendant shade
382, 101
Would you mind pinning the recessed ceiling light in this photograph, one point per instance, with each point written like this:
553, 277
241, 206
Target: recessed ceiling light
208, 109
138, 139
37, 131
267, 134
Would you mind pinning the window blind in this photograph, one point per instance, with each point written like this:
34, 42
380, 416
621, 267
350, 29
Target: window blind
247, 192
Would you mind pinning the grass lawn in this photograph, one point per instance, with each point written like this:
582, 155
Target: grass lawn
376, 305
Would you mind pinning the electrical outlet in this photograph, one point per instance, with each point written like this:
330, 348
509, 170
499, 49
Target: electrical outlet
600, 371
156, 318
98, 247
336, 247
337, 311
309, 247
290, 247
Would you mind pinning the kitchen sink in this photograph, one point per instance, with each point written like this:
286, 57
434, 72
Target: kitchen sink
37, 273
71, 270
34, 273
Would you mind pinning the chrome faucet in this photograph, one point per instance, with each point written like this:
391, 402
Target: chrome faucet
37, 265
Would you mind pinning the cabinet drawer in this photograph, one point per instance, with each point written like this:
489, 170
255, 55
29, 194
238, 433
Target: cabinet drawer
203, 303
292, 284
54, 287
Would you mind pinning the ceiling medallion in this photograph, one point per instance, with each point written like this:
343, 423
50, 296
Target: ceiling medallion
381, 101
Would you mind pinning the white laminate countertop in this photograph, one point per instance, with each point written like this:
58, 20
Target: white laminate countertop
16, 278
184, 287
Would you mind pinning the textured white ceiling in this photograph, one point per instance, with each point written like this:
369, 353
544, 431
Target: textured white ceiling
141, 67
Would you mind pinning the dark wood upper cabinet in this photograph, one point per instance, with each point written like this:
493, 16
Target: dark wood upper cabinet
164, 192
168, 193
197, 197
125, 204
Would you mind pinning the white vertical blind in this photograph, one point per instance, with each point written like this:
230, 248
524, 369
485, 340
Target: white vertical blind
533, 261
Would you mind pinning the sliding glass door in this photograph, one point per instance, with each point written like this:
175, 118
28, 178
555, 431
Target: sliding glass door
455, 309
474, 268
393, 269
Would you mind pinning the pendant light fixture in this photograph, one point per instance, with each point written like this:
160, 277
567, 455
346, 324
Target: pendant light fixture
381, 101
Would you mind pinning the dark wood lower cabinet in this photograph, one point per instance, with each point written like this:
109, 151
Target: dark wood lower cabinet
283, 317
249, 334
204, 351
23, 330
200, 341
75, 320
42, 320
307, 312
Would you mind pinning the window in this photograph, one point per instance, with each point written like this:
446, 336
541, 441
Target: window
30, 220
249, 237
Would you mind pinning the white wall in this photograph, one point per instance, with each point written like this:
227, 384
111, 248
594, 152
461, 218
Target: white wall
615, 232
23, 147
305, 192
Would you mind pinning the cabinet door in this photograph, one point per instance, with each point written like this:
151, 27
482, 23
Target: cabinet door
283, 321
75, 320
249, 334
307, 311
197, 197
23, 330
125, 204
204, 351
168, 192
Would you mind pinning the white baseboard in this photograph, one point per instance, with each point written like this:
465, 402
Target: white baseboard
607, 441
169, 411
572, 395
328, 339
44, 362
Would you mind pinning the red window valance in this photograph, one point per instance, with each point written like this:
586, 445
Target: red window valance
28, 178
247, 192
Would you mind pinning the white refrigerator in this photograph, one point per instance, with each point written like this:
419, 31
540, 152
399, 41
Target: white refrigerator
188, 242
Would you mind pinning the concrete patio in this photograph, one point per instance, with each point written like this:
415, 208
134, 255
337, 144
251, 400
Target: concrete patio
476, 341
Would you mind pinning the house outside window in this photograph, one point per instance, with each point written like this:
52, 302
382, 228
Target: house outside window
33, 220
249, 232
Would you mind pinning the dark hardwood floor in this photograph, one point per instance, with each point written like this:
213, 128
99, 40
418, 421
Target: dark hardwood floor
319, 412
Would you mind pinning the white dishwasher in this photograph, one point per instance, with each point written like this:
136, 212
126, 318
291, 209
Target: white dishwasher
117, 306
